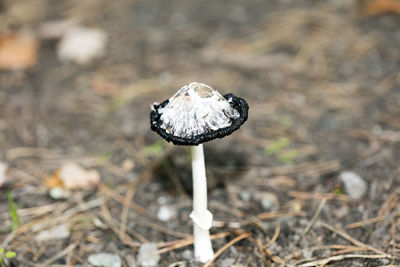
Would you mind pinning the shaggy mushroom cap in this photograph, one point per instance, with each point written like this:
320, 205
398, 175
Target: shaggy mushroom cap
196, 114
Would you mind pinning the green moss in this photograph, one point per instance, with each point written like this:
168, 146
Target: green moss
288, 156
155, 149
276, 146
12, 211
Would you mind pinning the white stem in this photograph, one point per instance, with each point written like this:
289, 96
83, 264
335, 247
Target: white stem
202, 218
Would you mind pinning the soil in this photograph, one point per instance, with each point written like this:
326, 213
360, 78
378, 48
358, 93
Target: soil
321, 77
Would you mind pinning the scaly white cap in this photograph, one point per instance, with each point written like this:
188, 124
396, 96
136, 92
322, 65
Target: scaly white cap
197, 113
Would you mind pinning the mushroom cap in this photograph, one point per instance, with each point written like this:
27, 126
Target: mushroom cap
196, 114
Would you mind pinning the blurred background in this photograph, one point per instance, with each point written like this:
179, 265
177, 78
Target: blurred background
82, 174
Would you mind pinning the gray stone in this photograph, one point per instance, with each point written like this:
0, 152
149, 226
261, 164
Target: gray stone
59, 192
187, 254
105, 260
147, 256
245, 195
354, 185
268, 201
307, 253
341, 212
166, 213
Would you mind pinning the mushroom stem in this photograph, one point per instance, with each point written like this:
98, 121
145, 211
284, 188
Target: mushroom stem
202, 218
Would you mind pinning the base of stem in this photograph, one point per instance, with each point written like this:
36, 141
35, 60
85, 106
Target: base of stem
203, 251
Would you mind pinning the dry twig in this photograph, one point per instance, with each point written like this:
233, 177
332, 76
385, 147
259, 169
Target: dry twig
277, 214
125, 239
125, 210
188, 241
226, 246
364, 222
353, 240
275, 236
60, 254
315, 217
318, 196
323, 262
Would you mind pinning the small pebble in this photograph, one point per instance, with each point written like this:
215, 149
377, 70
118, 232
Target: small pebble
268, 201
275, 248
296, 238
165, 213
98, 223
82, 45
147, 256
128, 165
307, 253
187, 254
377, 130
245, 195
58, 193
303, 222
354, 185
233, 250
105, 260
55, 233
341, 212
384, 261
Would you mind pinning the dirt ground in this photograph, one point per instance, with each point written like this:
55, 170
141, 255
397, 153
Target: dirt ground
323, 84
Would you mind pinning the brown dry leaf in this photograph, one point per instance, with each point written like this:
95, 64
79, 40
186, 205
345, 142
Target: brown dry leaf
73, 177
53, 180
380, 7
18, 50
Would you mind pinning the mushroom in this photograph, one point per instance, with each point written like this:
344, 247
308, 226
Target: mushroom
196, 114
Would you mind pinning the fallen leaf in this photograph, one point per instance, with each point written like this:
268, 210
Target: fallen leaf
18, 50
81, 45
53, 180
73, 177
380, 7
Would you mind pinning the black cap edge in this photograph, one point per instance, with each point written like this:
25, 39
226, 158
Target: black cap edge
236, 102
